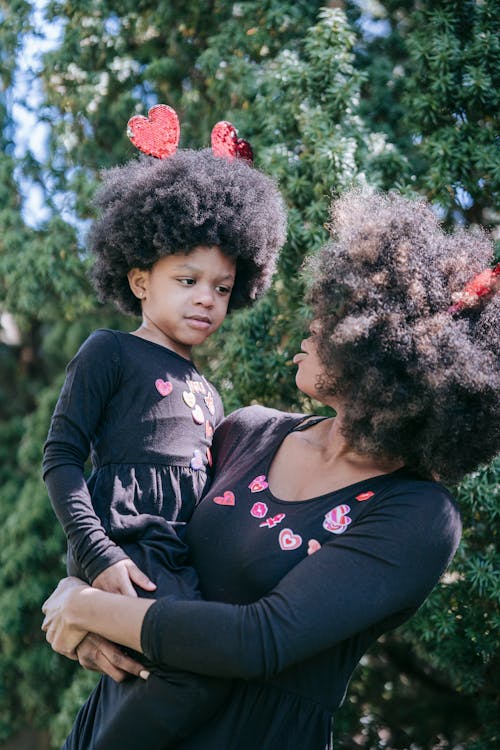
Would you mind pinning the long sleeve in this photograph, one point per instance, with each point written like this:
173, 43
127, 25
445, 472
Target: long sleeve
374, 576
91, 379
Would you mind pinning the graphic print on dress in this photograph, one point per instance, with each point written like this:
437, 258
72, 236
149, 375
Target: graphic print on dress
227, 498
189, 399
196, 462
336, 520
364, 496
258, 484
209, 401
272, 521
288, 540
313, 546
259, 510
198, 415
164, 387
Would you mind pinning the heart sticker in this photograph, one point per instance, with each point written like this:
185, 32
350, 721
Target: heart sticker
259, 510
225, 142
336, 520
258, 484
226, 499
196, 462
209, 430
198, 415
288, 540
189, 399
158, 133
313, 546
209, 400
163, 387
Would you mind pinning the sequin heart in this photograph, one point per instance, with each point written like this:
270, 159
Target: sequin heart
288, 540
258, 484
258, 510
336, 520
364, 496
164, 387
189, 399
158, 133
226, 499
225, 142
313, 546
198, 415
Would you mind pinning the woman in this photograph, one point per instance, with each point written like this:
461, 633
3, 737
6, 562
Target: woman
320, 534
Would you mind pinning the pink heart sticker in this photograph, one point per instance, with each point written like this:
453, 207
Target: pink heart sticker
164, 387
313, 546
226, 499
259, 510
288, 540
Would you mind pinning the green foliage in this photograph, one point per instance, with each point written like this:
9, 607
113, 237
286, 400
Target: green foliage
327, 102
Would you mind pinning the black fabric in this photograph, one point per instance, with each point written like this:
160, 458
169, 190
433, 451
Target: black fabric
291, 624
131, 405
288, 627
141, 443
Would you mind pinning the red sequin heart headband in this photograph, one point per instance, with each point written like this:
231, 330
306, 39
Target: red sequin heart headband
158, 135
483, 284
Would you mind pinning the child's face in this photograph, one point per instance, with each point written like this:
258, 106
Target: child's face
185, 297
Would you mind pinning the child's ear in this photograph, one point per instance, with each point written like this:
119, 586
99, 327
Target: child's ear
138, 281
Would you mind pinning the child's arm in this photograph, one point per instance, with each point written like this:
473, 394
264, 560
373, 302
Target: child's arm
91, 380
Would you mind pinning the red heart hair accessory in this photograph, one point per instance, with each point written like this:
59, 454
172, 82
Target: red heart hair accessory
158, 133
225, 142
484, 284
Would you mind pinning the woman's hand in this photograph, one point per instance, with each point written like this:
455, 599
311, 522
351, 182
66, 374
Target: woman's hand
100, 655
59, 629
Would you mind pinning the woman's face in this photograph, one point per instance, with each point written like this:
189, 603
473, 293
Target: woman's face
309, 367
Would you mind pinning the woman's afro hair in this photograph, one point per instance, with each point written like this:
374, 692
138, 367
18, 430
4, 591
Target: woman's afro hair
420, 385
152, 208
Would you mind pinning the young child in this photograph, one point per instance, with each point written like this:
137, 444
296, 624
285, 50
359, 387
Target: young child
181, 240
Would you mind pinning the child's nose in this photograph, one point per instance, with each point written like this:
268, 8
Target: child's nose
205, 296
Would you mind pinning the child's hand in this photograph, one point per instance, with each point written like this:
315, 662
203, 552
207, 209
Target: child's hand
118, 579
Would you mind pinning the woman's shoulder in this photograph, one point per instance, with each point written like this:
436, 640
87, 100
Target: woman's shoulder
257, 417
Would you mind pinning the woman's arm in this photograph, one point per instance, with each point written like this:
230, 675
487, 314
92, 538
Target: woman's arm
383, 566
74, 609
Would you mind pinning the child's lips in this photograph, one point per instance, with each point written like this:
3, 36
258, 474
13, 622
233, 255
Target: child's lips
201, 322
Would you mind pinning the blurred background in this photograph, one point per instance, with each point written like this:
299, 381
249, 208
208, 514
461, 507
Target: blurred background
395, 94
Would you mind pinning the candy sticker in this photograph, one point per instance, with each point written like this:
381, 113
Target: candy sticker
272, 521
259, 510
364, 496
336, 520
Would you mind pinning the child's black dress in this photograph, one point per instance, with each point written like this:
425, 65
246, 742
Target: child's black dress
146, 417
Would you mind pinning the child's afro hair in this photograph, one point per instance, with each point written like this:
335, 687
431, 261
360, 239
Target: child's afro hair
151, 208
419, 384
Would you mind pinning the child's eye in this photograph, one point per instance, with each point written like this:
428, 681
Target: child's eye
187, 282
222, 289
